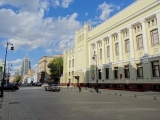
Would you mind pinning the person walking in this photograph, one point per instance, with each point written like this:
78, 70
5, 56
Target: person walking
79, 88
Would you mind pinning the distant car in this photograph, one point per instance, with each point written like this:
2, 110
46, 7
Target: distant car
38, 84
45, 84
52, 87
12, 87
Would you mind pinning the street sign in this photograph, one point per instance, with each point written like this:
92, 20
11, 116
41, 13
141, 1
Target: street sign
93, 76
92, 72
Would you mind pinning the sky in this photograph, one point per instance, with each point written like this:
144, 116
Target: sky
47, 27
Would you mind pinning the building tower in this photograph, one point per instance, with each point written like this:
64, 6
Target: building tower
26, 66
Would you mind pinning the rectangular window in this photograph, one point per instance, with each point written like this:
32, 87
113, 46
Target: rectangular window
154, 37
139, 42
139, 70
153, 23
127, 45
72, 72
148, 24
72, 62
155, 69
69, 73
107, 73
69, 63
138, 29
108, 52
116, 72
117, 48
126, 71
99, 73
135, 30
100, 54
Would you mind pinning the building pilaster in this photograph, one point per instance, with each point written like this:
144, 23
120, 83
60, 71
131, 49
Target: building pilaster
131, 42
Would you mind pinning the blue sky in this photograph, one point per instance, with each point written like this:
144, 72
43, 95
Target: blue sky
47, 27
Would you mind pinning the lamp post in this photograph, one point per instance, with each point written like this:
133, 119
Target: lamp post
95, 58
4, 73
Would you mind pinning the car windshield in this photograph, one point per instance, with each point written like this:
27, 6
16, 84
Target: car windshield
55, 85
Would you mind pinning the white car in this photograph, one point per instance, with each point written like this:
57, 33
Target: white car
52, 87
45, 84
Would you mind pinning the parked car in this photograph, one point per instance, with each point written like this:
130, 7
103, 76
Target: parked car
45, 84
12, 87
38, 84
52, 87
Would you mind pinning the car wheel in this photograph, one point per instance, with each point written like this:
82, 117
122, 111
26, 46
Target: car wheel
58, 90
13, 89
45, 89
51, 90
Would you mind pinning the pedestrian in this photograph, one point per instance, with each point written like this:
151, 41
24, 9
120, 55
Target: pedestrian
79, 88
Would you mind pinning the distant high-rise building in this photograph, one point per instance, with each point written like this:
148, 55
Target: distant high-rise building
26, 66
17, 73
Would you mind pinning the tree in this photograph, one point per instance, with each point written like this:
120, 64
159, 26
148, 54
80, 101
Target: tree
56, 69
18, 78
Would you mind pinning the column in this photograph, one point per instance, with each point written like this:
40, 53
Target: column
96, 52
89, 53
120, 45
111, 48
158, 23
103, 53
145, 41
131, 42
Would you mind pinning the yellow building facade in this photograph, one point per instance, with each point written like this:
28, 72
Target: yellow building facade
125, 49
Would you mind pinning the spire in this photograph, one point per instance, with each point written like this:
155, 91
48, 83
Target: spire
26, 57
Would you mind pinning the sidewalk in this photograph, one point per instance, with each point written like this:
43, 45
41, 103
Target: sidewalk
149, 95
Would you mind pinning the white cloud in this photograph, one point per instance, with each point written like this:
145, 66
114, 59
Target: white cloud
66, 3
86, 14
31, 30
18, 61
61, 3
26, 5
106, 9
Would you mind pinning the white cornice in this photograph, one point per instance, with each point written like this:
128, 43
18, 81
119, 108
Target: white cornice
126, 19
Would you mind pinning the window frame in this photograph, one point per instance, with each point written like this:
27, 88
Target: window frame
138, 68
137, 39
125, 71
116, 72
117, 49
152, 41
127, 42
153, 73
107, 73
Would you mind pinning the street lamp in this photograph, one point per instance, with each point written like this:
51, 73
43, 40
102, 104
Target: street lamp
4, 73
95, 58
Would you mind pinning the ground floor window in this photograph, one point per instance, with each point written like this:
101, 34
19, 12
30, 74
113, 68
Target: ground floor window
116, 72
107, 73
139, 70
126, 71
155, 69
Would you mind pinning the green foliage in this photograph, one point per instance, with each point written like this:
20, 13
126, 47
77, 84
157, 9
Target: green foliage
56, 69
18, 78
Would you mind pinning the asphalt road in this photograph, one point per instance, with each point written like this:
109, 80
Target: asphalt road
34, 103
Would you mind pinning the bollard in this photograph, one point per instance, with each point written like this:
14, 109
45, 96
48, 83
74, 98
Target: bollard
1, 114
154, 97
115, 93
120, 94
100, 92
135, 95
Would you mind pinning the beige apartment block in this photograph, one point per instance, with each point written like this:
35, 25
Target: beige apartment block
126, 51
43, 74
